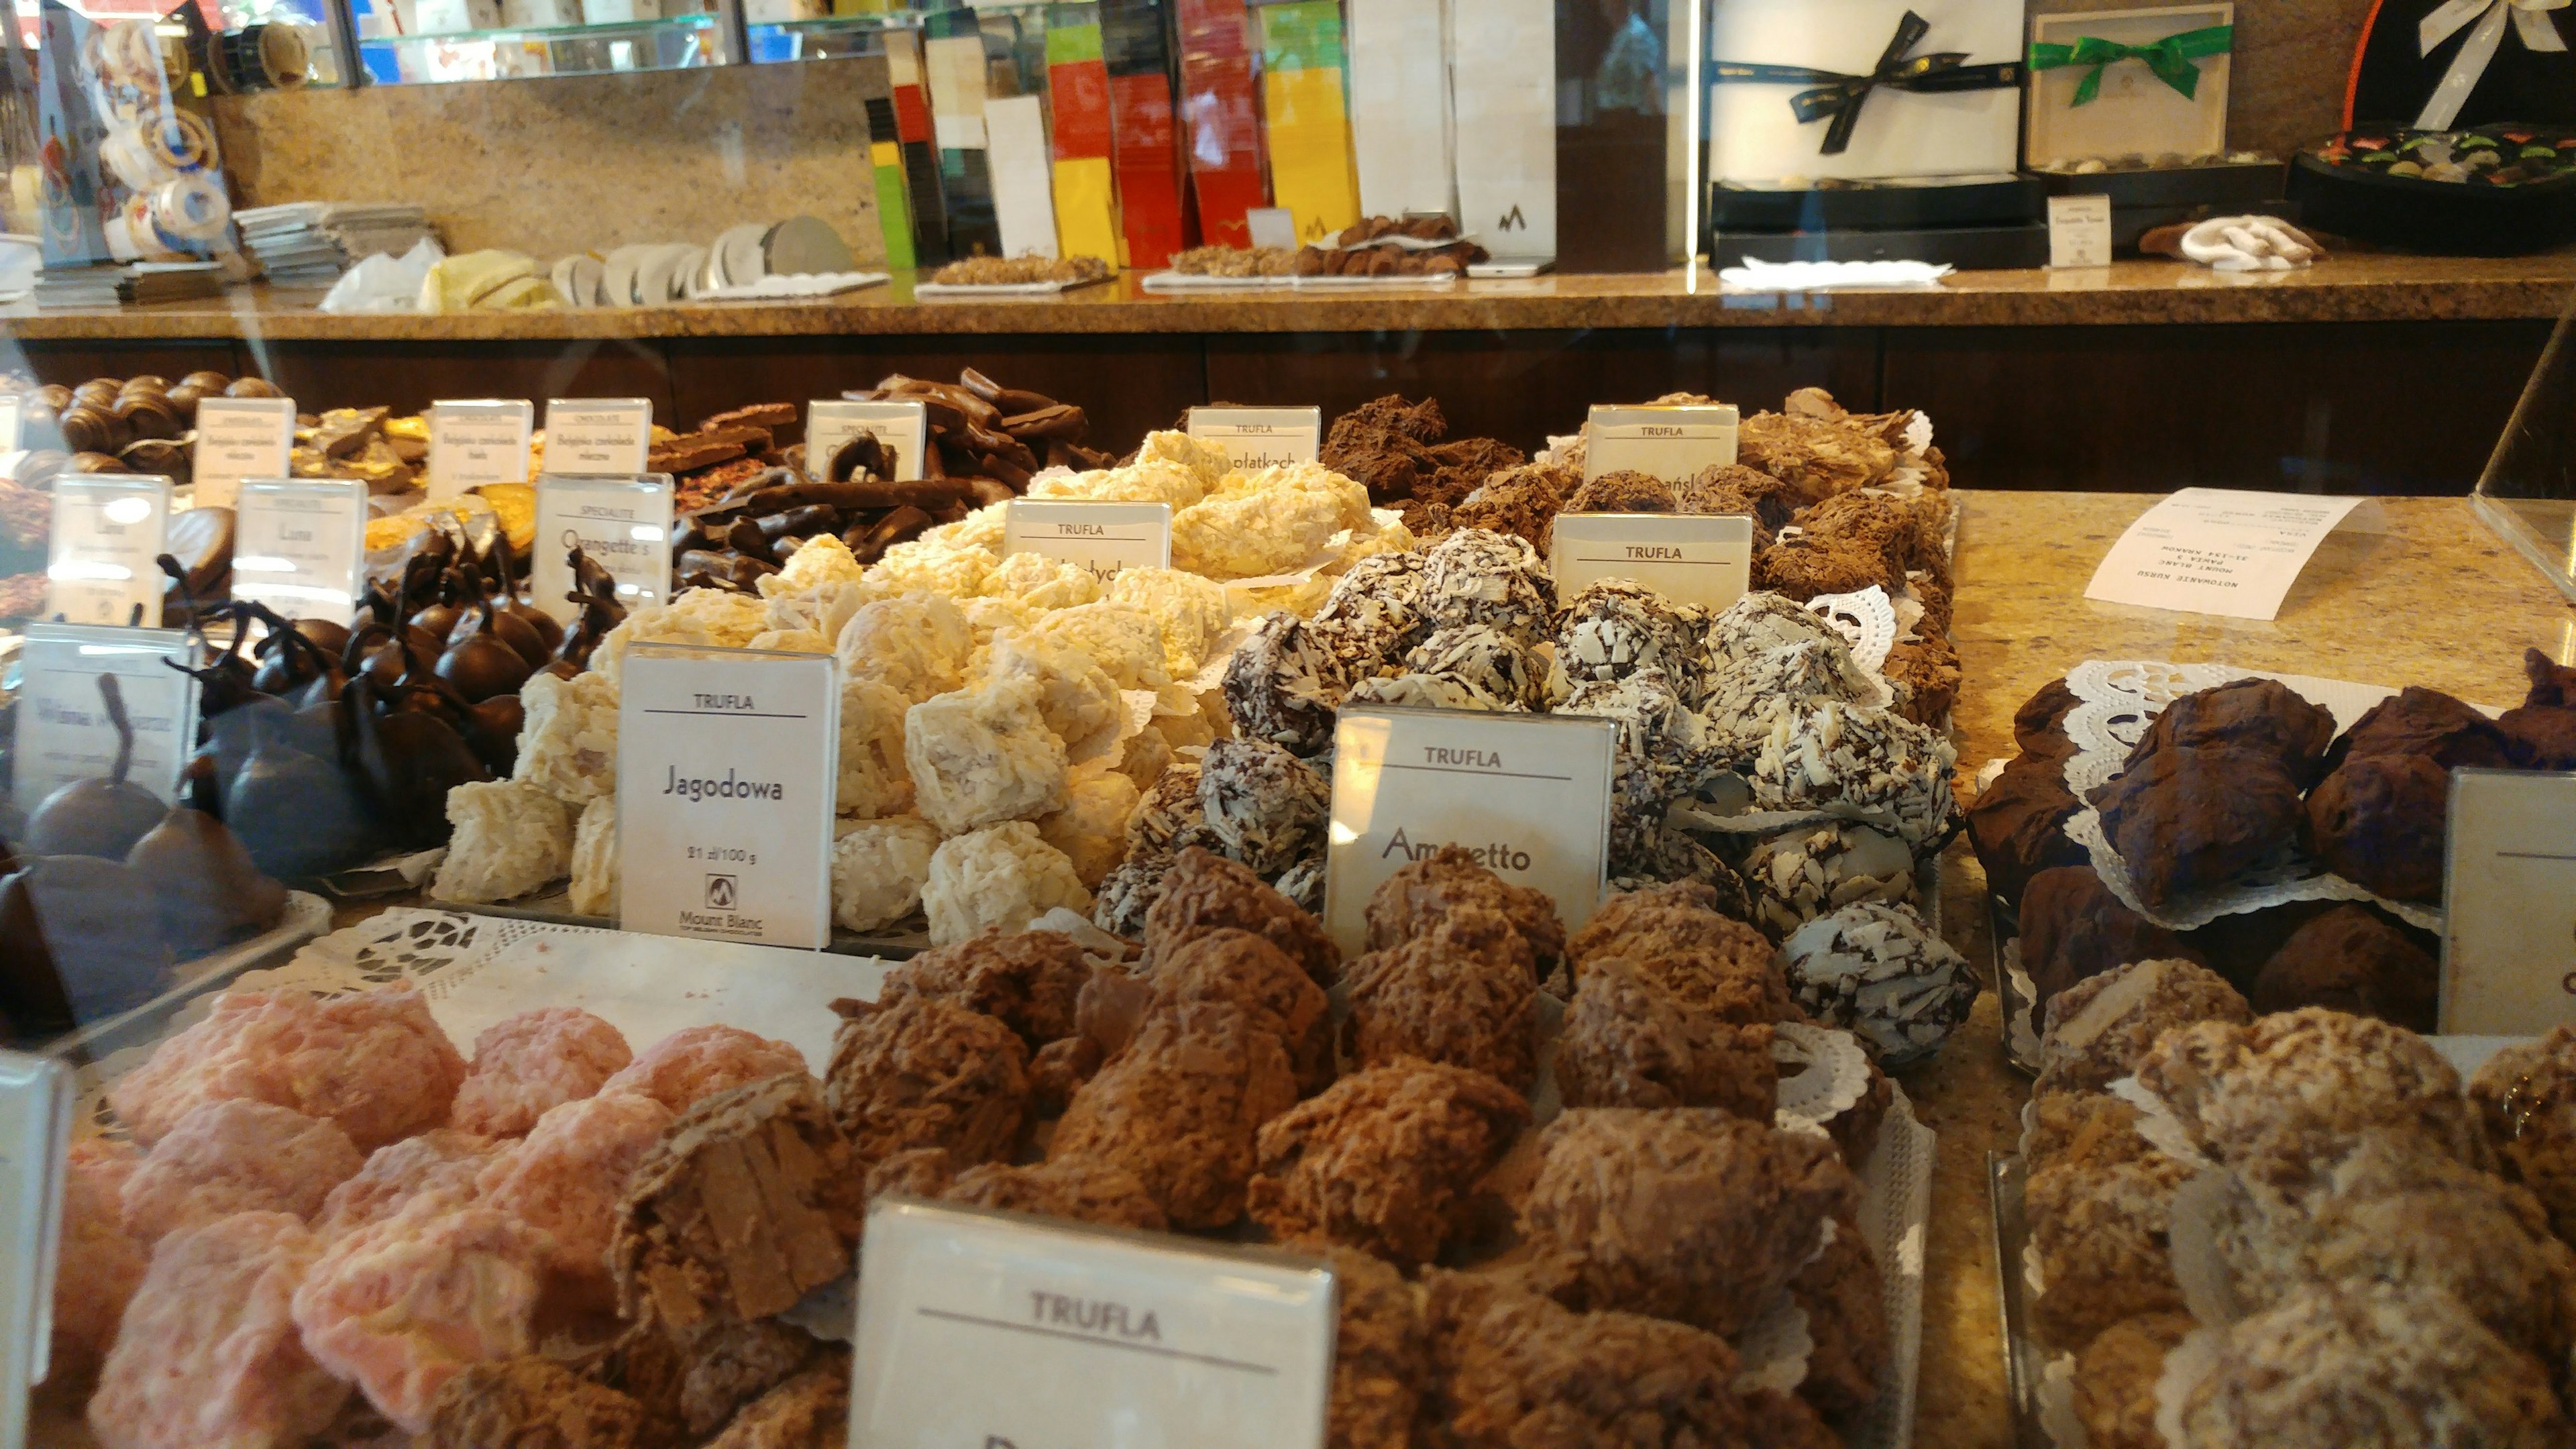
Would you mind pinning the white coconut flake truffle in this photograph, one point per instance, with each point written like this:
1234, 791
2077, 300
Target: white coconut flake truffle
1812, 670
1205, 461
916, 644
1279, 687
1266, 807
1832, 755
1091, 829
594, 859
981, 529
568, 736
824, 608
984, 755
1803, 873
1042, 582
790, 641
1191, 610
822, 559
1491, 664
1877, 970
1004, 875
872, 778
1418, 691
953, 571
1078, 702
1125, 641
1614, 627
878, 870
510, 838
705, 618
1269, 523
1762, 621
1478, 576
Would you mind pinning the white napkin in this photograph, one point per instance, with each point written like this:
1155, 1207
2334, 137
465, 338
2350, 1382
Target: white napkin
383, 282
1759, 276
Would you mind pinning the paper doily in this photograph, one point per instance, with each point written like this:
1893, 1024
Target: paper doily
1866, 619
2116, 701
1832, 1075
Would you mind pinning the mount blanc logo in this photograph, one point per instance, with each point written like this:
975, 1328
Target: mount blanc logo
1513, 220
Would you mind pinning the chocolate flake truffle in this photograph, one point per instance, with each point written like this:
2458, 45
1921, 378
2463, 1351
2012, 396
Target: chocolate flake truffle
1386, 1160
1877, 969
1206, 893
1465, 993
2191, 819
1632, 1039
1265, 806
1280, 686
1477, 577
1614, 627
922, 1071
1496, 669
1424, 892
2352, 960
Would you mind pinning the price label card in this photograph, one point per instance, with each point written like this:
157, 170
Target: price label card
1527, 795
2509, 904
479, 442
1112, 1338
1102, 537
35, 1138
237, 438
2079, 231
902, 428
64, 733
598, 434
1672, 443
300, 545
1258, 438
2217, 551
726, 771
624, 524
1698, 558
108, 530
12, 418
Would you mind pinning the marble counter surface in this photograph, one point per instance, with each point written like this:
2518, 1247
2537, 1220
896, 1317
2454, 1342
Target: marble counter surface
2437, 599
2361, 288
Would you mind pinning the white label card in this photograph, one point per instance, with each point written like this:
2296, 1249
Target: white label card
1272, 226
479, 442
2217, 551
901, 427
1258, 438
35, 1138
1528, 796
2079, 231
1102, 537
598, 434
1112, 1338
624, 524
12, 411
727, 765
1697, 558
2509, 904
237, 438
300, 545
63, 731
1671, 443
109, 528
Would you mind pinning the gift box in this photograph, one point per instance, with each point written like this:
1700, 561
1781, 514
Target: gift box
2430, 65
2498, 191
1503, 98
2111, 83
1863, 89
1400, 106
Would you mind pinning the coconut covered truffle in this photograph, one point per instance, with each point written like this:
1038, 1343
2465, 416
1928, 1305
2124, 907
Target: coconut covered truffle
878, 870
1280, 686
593, 890
1265, 806
1003, 875
510, 838
568, 735
1614, 627
984, 755
1496, 670
526, 1065
871, 778
1475, 576
1878, 970
915, 644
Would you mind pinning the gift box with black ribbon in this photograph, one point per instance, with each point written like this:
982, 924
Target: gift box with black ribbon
1858, 130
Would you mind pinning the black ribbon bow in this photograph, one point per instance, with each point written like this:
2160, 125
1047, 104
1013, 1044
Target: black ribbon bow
1840, 96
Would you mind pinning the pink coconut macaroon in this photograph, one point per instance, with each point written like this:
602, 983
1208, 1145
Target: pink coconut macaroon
236, 1157
374, 1063
404, 1305
442, 1162
527, 1064
699, 1061
569, 1175
101, 1264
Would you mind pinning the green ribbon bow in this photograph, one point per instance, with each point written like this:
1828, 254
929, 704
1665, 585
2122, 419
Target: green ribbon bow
2170, 58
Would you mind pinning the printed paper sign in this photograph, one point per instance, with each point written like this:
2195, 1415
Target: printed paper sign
903, 428
300, 546
1697, 558
109, 530
726, 770
474, 443
2079, 231
1102, 537
64, 732
237, 438
2509, 923
1258, 438
1527, 795
11, 422
598, 434
623, 524
1111, 1338
35, 1139
2217, 551
1671, 443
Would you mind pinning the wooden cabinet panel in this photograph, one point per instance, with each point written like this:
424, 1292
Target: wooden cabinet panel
410, 377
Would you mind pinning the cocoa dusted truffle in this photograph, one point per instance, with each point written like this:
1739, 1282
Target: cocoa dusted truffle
2072, 927
2381, 821
2426, 722
2039, 726
2018, 825
2188, 819
2352, 960
2543, 730
2259, 714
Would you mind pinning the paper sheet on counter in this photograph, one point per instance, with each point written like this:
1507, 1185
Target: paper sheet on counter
2218, 551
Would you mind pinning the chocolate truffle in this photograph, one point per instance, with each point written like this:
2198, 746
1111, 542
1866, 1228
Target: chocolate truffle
2018, 825
1617, 626
2072, 927
2352, 960
2192, 818
2543, 730
2257, 714
2381, 820
2425, 722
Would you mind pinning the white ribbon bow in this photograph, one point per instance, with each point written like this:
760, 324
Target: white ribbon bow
2470, 65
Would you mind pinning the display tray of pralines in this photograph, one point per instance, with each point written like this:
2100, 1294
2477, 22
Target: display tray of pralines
2222, 185
1917, 202
2038, 1383
306, 916
2485, 191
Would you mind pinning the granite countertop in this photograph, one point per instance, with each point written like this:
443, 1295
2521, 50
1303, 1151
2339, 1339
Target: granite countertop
2358, 288
2472, 605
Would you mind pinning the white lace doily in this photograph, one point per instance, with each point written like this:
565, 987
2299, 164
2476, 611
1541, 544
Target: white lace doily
2116, 700
1896, 1205
1866, 620
2021, 1015
1832, 1072
1772, 1351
